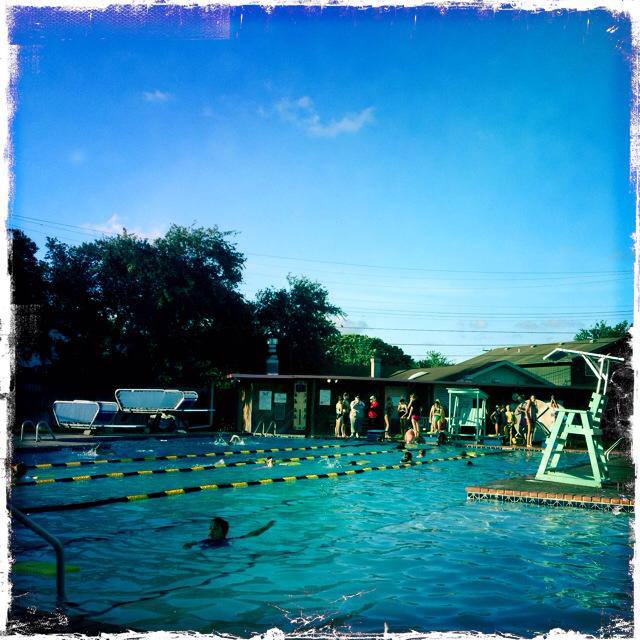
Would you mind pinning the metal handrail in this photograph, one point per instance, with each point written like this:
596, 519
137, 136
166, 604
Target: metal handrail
607, 453
54, 542
257, 432
42, 424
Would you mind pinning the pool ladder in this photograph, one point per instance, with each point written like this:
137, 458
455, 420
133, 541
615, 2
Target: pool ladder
263, 430
42, 425
61, 595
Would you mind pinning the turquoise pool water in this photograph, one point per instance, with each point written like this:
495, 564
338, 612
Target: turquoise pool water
402, 547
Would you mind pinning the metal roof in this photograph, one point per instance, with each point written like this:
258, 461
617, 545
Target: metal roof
519, 355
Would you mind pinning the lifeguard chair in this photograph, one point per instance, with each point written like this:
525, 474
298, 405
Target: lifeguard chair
580, 422
467, 413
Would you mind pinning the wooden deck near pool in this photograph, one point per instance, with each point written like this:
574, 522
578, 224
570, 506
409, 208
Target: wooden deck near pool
617, 494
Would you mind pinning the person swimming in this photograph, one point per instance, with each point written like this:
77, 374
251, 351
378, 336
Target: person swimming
218, 530
236, 439
18, 471
422, 453
407, 457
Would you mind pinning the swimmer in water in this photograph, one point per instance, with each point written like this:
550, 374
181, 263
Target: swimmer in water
269, 462
236, 439
407, 457
469, 463
422, 453
218, 530
18, 471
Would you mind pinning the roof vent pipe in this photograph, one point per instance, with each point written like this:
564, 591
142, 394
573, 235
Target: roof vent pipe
376, 366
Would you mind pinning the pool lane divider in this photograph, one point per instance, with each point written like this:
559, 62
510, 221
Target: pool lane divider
181, 456
207, 467
88, 504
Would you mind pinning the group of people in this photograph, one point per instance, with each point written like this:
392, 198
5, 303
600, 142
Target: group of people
517, 425
352, 414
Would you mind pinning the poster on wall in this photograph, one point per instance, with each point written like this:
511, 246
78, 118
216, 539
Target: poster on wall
325, 397
280, 398
264, 400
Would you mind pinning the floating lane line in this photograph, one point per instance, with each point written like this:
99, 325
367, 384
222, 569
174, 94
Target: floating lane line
71, 506
181, 456
207, 467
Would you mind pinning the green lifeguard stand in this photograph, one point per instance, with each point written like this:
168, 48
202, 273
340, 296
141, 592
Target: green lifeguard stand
467, 408
579, 422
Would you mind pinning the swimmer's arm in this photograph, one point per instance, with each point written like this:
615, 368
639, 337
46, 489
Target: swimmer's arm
259, 531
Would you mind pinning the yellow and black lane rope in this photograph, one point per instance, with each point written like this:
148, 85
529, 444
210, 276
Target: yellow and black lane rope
204, 467
179, 456
88, 504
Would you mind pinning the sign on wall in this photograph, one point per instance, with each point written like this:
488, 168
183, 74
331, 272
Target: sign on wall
264, 400
280, 398
325, 397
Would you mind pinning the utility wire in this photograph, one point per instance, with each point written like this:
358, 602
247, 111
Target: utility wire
87, 230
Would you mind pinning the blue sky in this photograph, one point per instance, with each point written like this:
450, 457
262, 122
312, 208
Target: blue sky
475, 164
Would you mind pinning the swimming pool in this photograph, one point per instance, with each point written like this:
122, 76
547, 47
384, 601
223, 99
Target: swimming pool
403, 547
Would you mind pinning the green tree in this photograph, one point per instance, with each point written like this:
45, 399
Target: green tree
433, 359
128, 311
357, 349
302, 318
28, 297
603, 330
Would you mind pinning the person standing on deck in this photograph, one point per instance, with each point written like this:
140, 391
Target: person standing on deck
436, 416
342, 415
402, 415
356, 414
414, 410
388, 416
373, 413
531, 416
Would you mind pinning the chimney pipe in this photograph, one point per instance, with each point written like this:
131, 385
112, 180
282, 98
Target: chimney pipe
272, 358
376, 366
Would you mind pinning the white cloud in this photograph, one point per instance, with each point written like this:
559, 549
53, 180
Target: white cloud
77, 157
115, 225
355, 326
156, 96
303, 114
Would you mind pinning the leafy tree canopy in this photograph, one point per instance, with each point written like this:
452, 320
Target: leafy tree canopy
302, 318
357, 349
134, 311
433, 359
603, 330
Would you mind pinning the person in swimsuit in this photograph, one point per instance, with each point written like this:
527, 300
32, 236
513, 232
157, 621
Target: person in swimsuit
531, 416
388, 417
436, 418
402, 414
342, 415
218, 530
414, 410
553, 408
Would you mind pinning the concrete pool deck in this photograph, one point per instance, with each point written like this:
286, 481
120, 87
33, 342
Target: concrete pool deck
617, 494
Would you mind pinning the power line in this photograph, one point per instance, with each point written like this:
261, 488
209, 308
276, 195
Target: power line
377, 266
456, 330
101, 232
